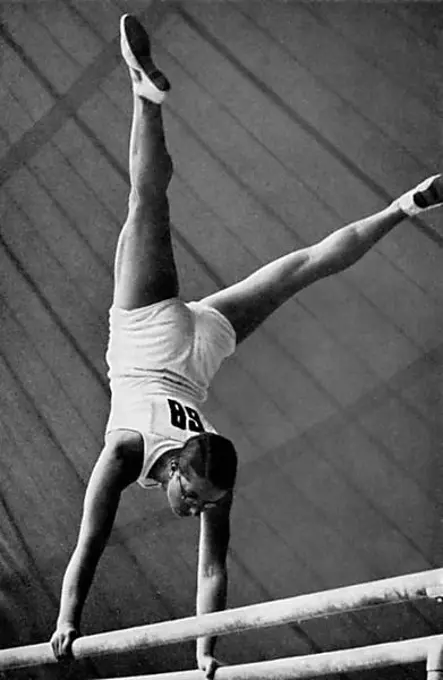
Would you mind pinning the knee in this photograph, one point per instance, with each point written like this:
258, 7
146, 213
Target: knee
169, 168
148, 198
145, 205
163, 171
153, 182
147, 211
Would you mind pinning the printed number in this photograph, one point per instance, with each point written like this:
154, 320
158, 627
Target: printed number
184, 417
194, 422
178, 414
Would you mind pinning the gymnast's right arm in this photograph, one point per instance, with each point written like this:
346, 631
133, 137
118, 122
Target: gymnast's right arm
115, 469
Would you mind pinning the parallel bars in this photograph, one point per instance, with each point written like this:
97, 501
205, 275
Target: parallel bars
312, 665
428, 584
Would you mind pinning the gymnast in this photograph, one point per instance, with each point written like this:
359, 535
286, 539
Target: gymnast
163, 353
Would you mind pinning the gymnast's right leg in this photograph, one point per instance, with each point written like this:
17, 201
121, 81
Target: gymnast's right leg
145, 270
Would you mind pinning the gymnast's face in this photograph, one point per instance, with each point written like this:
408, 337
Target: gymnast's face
191, 495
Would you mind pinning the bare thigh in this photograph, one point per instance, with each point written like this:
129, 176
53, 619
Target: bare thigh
145, 270
248, 303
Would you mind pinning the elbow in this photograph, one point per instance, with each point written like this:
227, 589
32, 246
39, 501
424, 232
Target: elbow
214, 572
212, 590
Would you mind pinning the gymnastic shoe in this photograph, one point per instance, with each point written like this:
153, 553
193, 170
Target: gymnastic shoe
147, 81
425, 196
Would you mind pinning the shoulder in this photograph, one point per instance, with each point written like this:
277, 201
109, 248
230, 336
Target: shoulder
126, 448
215, 536
219, 514
125, 440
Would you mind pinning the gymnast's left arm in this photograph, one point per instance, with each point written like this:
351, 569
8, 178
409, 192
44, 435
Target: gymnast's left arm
212, 577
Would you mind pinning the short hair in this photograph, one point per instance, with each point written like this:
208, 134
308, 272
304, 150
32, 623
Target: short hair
212, 457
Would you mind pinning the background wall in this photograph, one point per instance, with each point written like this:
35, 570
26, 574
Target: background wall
286, 120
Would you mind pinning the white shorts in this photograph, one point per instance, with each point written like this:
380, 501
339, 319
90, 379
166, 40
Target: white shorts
168, 348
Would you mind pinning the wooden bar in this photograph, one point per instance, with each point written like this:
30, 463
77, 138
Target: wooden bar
398, 589
434, 663
343, 661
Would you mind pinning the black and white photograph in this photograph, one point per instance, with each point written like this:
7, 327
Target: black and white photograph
221, 340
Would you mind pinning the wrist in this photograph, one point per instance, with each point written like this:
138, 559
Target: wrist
204, 648
69, 614
202, 659
64, 622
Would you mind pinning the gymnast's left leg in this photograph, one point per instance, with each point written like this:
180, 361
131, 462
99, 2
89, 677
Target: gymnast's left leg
145, 271
249, 302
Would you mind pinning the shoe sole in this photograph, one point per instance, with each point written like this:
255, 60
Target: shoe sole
431, 195
136, 51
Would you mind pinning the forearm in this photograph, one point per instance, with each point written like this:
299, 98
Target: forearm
211, 597
76, 585
109, 477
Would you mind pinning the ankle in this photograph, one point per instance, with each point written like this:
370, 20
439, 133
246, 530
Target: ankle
148, 104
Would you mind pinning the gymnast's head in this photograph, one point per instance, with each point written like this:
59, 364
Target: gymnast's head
202, 474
